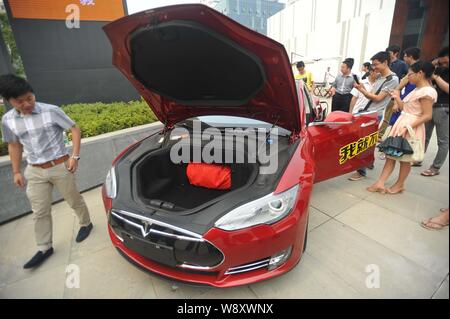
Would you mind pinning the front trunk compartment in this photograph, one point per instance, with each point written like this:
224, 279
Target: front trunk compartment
162, 184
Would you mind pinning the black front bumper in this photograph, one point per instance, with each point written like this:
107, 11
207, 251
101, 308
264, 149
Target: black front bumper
164, 244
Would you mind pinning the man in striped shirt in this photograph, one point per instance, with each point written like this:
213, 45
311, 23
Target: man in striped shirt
342, 86
36, 129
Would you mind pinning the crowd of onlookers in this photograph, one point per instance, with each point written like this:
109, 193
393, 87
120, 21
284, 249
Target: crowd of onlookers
410, 97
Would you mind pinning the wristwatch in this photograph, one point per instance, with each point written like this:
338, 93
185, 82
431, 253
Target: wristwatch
76, 157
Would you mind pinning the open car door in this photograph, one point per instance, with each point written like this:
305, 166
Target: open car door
343, 143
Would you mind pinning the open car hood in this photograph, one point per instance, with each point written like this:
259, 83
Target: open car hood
190, 60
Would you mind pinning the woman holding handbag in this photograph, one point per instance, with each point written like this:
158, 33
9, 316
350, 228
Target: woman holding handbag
417, 109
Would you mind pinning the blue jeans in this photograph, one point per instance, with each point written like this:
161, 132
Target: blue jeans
362, 171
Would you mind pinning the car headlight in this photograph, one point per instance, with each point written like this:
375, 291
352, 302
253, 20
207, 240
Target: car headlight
266, 210
110, 183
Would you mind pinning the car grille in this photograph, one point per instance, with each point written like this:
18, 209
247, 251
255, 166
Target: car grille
163, 243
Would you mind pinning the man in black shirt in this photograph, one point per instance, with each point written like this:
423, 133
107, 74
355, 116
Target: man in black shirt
440, 114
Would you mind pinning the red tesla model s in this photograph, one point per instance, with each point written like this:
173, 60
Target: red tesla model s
201, 72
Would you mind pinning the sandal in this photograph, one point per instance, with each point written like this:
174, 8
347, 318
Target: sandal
430, 172
443, 210
380, 190
429, 225
388, 191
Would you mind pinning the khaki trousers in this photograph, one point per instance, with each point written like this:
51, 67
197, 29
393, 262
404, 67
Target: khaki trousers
40, 184
386, 118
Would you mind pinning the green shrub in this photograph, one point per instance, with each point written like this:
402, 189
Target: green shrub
99, 118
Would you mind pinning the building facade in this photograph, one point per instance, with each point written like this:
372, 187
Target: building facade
251, 13
421, 23
68, 62
323, 33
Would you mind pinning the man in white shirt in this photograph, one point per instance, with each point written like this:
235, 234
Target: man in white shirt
359, 101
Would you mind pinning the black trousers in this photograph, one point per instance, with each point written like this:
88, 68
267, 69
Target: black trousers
341, 102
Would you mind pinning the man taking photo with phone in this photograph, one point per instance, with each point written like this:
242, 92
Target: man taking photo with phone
380, 96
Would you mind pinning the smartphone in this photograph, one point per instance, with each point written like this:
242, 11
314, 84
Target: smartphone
390, 91
355, 77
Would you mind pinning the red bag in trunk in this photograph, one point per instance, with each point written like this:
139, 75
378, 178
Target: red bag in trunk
209, 175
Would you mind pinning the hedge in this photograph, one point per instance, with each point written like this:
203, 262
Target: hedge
99, 118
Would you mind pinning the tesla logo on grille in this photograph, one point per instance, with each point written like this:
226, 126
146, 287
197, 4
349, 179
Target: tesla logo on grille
146, 228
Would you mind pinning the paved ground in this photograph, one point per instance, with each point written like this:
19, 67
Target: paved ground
350, 230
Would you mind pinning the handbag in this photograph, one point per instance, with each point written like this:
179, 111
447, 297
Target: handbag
408, 149
417, 146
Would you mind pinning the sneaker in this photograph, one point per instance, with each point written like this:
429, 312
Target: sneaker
356, 177
83, 233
